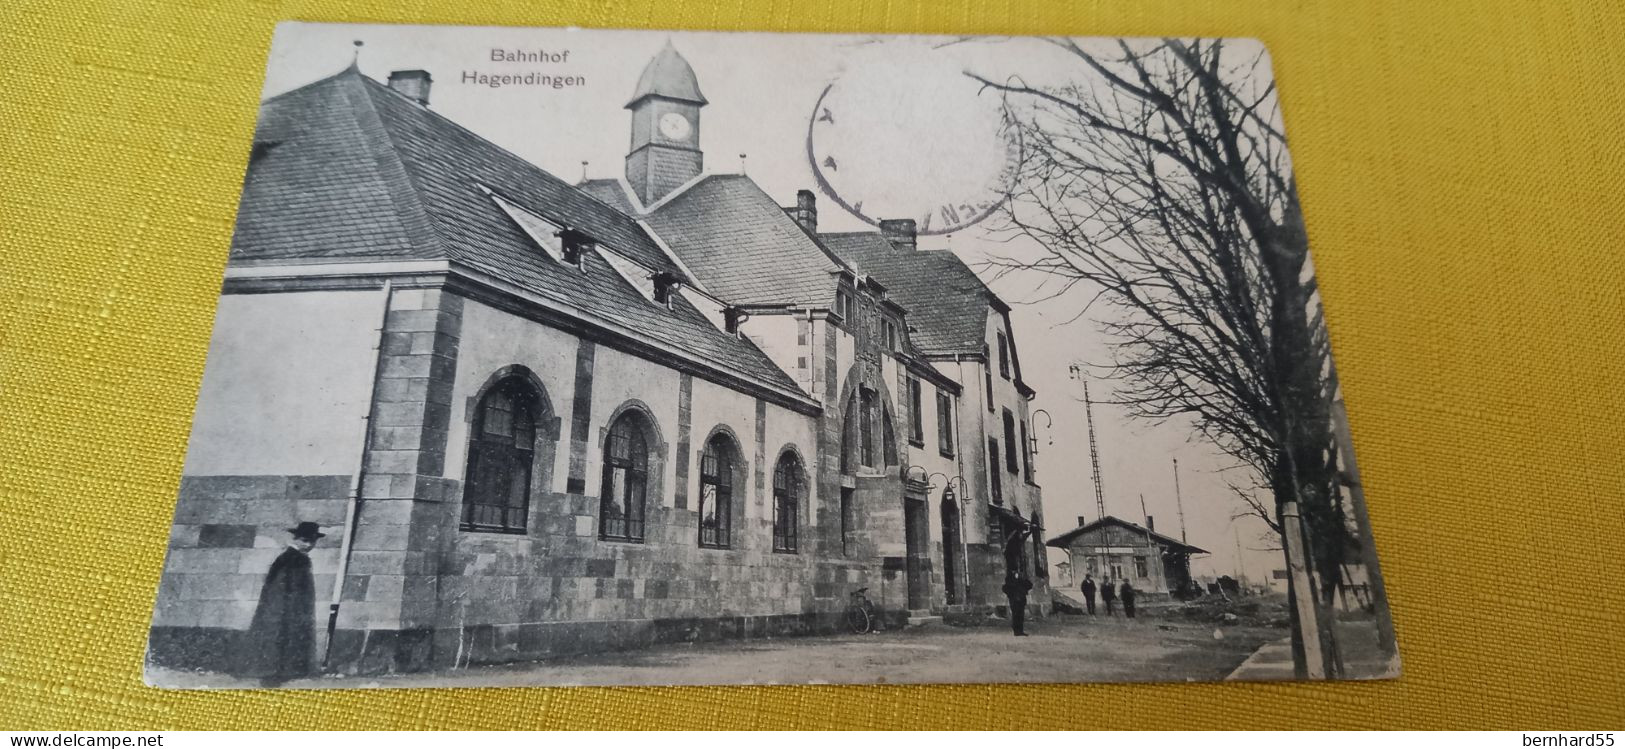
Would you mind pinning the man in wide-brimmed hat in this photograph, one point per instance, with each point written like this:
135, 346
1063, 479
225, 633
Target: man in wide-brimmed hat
280, 644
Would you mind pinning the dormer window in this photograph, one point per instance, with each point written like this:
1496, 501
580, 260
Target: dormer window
655, 286
731, 318
573, 246
843, 304
665, 283
544, 233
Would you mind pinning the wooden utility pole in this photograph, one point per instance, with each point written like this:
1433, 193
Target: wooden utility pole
1303, 593
1368, 543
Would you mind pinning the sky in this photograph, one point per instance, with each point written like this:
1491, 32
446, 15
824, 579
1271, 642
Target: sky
896, 124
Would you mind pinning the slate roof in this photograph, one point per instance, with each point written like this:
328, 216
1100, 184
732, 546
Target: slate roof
1172, 543
346, 167
610, 192
670, 76
947, 304
743, 247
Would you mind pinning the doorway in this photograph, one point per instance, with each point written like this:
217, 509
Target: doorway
950, 549
916, 539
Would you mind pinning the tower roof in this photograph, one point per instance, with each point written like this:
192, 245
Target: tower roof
670, 76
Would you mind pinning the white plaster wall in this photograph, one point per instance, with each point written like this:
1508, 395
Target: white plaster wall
286, 384
845, 354
786, 427
618, 378
710, 406
927, 456
776, 336
493, 339
1017, 492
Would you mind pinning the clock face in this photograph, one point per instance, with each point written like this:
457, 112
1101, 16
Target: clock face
908, 135
675, 126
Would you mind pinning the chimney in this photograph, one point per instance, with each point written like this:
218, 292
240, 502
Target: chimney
1082, 521
900, 231
805, 211
1150, 523
413, 84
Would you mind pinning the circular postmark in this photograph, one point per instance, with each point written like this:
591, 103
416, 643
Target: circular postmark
902, 132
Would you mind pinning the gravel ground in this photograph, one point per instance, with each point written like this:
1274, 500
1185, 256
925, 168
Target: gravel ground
1060, 649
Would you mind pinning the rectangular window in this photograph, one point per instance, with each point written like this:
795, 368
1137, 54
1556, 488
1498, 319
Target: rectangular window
916, 414
1026, 453
843, 304
1009, 441
993, 470
1004, 357
1140, 568
987, 375
945, 424
892, 339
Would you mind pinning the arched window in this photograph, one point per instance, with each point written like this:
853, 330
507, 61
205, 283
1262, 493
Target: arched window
626, 479
717, 491
787, 492
501, 453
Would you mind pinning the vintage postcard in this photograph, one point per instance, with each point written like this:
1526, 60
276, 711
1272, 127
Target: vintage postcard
560, 356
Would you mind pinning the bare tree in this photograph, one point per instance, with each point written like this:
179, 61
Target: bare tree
1158, 182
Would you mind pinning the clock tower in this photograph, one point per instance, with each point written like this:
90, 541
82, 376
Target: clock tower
665, 127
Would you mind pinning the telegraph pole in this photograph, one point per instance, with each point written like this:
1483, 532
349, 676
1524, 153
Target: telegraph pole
1094, 451
1094, 458
1181, 500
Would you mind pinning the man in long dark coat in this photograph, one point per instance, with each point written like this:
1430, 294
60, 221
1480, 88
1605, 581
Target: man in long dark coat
1127, 594
1089, 592
1108, 595
281, 642
1015, 593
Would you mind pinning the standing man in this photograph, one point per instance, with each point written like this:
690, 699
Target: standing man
1015, 593
1108, 595
1089, 592
281, 642
1127, 594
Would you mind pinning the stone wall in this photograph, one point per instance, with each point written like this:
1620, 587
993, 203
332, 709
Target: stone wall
226, 533
422, 593
558, 588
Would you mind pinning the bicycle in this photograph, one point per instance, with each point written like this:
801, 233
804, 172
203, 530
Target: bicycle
860, 613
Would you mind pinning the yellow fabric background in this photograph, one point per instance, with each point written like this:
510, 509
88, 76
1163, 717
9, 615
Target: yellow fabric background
1462, 170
